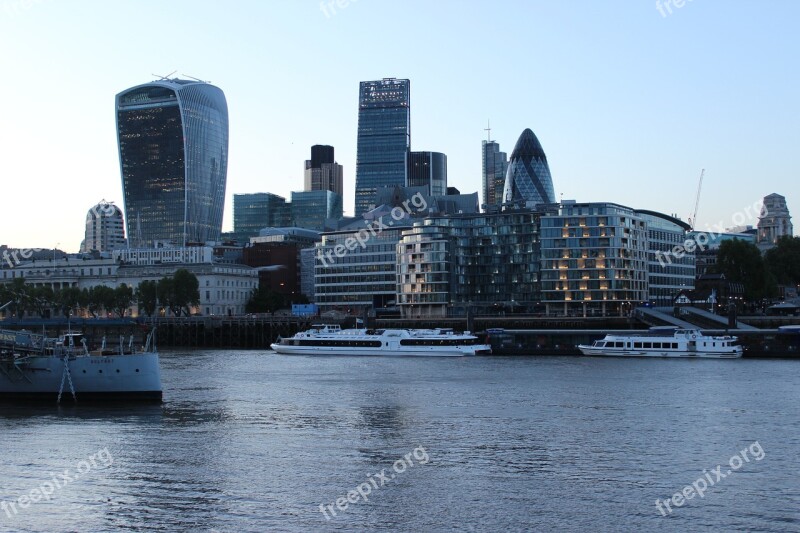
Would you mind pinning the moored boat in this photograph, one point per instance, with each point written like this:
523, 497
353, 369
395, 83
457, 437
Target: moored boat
41, 369
665, 342
332, 340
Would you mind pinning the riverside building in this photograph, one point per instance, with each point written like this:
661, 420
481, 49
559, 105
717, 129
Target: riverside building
594, 260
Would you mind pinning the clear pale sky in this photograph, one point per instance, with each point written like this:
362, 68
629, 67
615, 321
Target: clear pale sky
628, 104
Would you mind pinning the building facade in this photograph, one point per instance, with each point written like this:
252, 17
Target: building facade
774, 222
428, 169
528, 179
256, 211
322, 172
494, 165
480, 262
224, 288
105, 229
352, 277
384, 137
668, 273
594, 260
315, 209
173, 150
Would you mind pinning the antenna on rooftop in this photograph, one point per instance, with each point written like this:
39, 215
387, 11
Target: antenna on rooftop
488, 129
195, 79
163, 78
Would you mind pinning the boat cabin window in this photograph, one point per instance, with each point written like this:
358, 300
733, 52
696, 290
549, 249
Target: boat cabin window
647, 345
657, 345
637, 344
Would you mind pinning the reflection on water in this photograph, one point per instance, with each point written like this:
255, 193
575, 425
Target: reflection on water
252, 442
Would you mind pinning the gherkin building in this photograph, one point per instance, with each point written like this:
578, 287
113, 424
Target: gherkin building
528, 175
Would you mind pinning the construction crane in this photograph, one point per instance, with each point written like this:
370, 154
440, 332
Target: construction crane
693, 218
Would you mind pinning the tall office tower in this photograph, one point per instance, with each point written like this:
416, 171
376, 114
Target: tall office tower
173, 153
105, 230
494, 163
774, 222
384, 137
428, 169
322, 172
253, 212
528, 177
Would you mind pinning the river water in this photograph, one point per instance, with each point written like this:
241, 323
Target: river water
250, 441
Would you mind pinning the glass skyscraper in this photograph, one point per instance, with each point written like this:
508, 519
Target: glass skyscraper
428, 169
384, 137
494, 166
173, 151
528, 177
253, 212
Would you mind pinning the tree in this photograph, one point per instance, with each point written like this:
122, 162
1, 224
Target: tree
99, 297
179, 292
68, 299
122, 300
741, 262
783, 261
147, 297
263, 300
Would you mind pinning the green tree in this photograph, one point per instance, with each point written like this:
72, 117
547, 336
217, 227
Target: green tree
123, 299
741, 262
263, 300
179, 292
68, 299
147, 297
99, 297
783, 261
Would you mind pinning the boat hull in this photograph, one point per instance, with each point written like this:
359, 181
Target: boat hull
417, 351
600, 352
134, 377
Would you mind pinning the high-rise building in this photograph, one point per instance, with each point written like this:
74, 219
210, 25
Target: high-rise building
105, 231
494, 163
173, 151
528, 177
428, 169
322, 172
313, 209
384, 137
256, 211
774, 222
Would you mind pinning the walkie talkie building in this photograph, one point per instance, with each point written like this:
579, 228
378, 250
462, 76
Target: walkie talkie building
173, 153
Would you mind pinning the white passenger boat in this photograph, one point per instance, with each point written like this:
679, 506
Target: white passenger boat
665, 342
37, 368
332, 340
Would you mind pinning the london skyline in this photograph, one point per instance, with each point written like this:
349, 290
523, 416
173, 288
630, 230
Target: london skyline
629, 104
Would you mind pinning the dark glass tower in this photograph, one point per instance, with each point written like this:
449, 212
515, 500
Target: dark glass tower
528, 176
384, 138
428, 169
173, 153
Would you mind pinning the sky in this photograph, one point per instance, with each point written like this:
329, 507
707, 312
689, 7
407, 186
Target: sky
629, 102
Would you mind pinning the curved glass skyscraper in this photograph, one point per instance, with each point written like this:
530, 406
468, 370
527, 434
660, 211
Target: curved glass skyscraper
528, 175
173, 154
